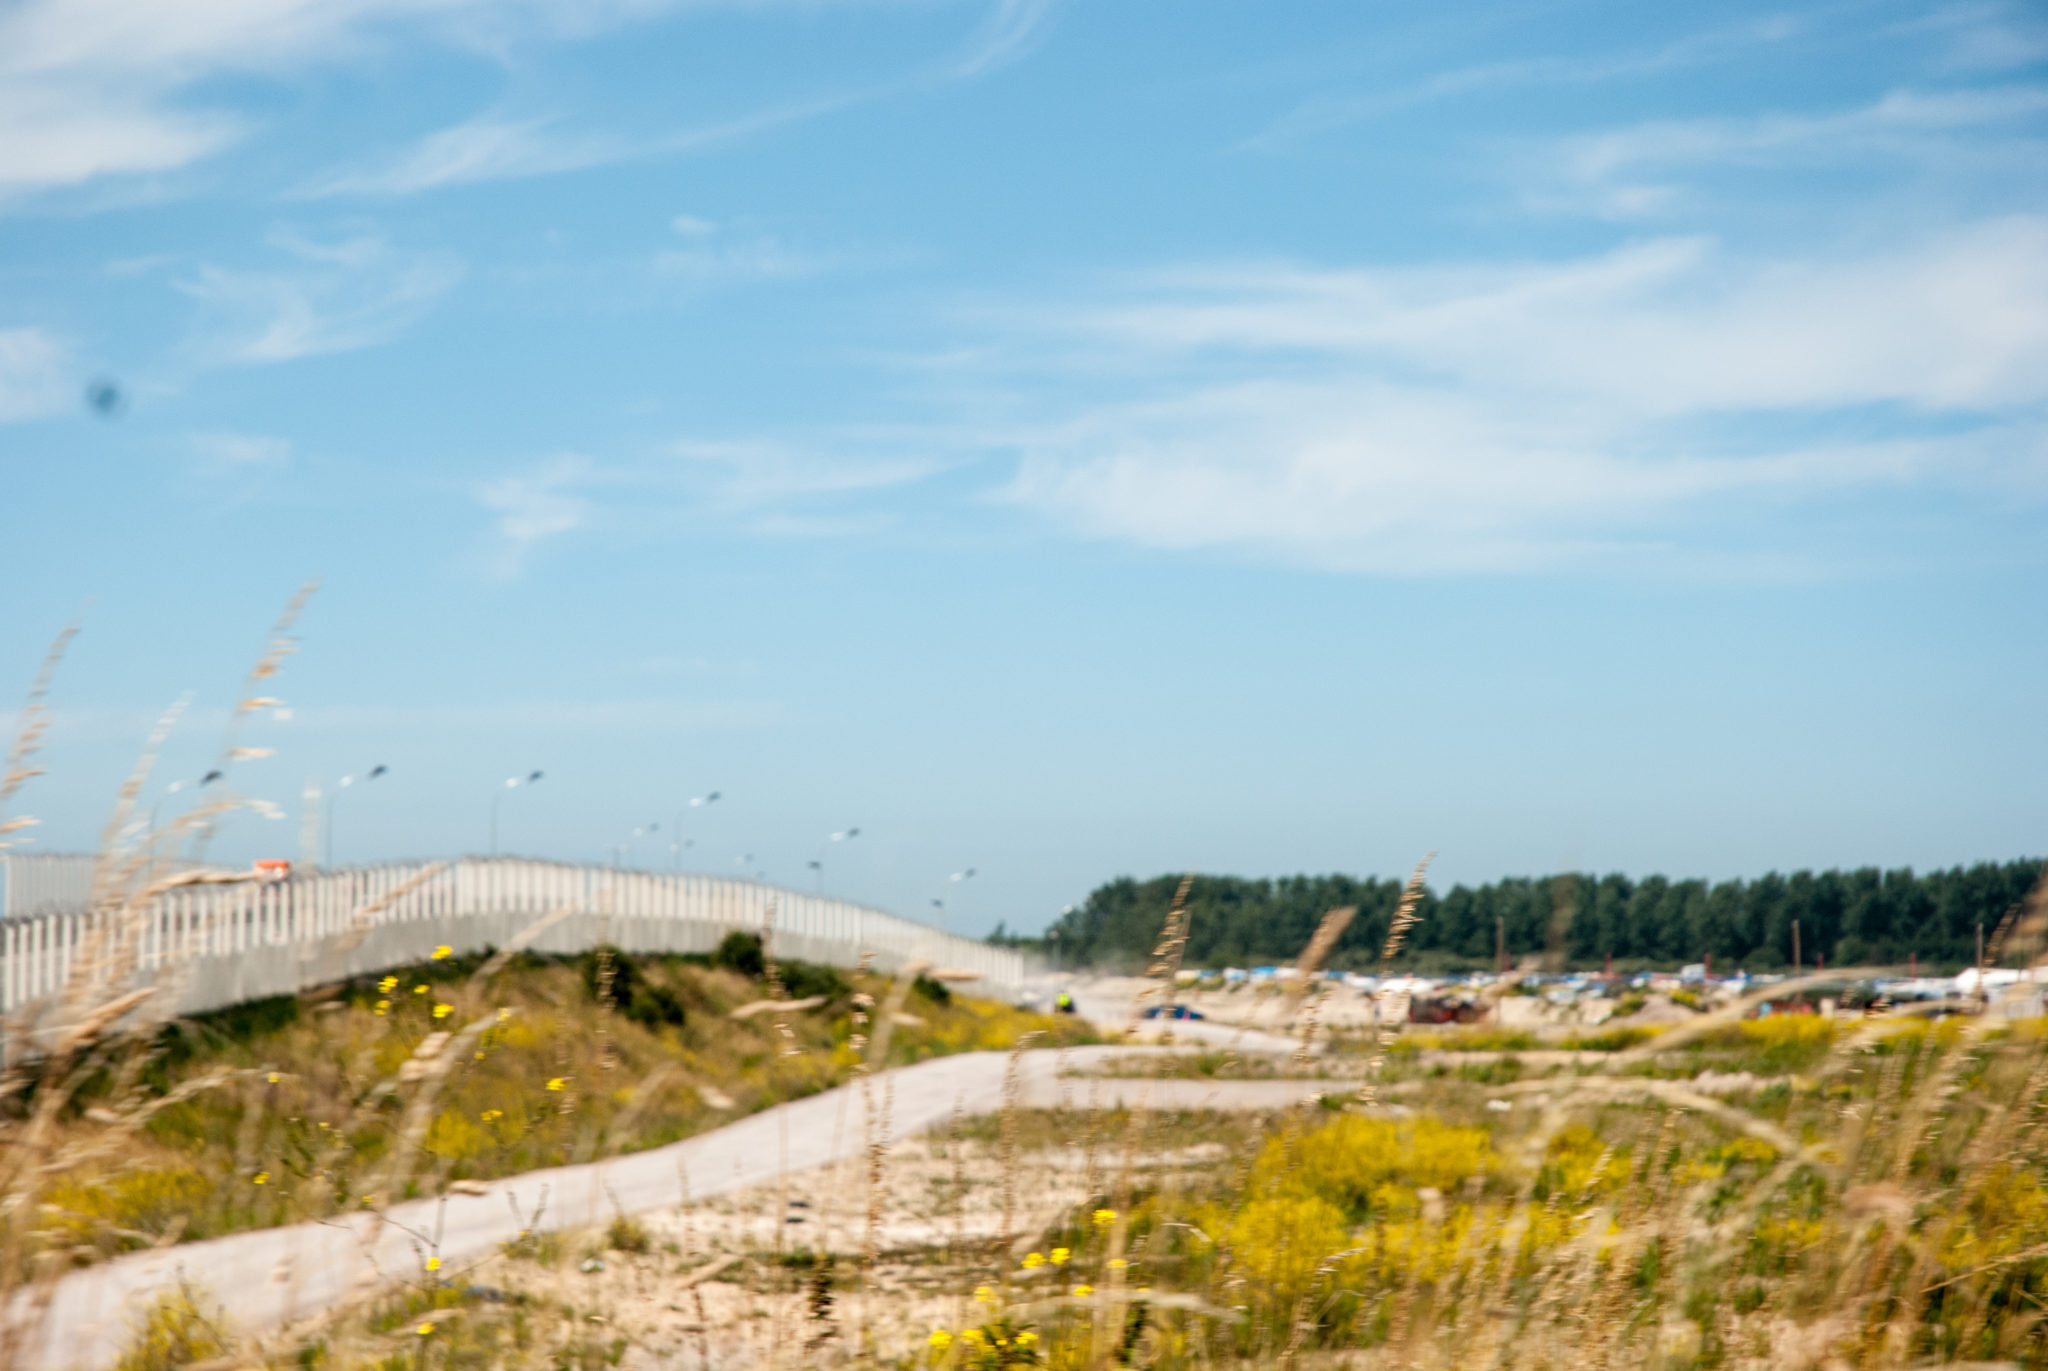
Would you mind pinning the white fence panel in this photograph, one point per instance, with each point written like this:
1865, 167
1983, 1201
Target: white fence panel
213, 945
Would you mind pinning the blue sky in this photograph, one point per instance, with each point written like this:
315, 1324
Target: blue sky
1062, 439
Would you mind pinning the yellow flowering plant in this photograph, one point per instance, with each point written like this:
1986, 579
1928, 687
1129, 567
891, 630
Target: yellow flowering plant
997, 1345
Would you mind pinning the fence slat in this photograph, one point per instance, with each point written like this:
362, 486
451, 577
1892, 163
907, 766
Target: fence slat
197, 923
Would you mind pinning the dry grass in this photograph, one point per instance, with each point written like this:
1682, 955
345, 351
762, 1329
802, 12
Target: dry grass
1786, 1193
382, 1090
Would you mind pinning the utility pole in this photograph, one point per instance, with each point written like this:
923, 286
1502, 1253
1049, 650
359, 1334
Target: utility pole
1795, 947
1500, 945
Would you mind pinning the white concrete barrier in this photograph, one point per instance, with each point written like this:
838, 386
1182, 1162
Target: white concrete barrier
208, 946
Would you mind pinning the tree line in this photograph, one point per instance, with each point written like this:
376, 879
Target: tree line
1862, 917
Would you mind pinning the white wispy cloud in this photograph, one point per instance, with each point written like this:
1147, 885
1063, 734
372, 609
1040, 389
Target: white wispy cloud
238, 454
36, 376
1618, 171
1330, 110
1012, 29
1985, 36
728, 261
1630, 405
487, 148
757, 475
497, 147
333, 297
542, 502
98, 88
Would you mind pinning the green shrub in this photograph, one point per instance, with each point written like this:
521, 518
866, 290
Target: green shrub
801, 980
741, 952
630, 992
173, 1335
626, 1235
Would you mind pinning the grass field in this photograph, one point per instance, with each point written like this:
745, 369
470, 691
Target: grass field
395, 1086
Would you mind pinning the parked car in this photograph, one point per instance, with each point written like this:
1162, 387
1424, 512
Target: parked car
1437, 1009
1173, 1011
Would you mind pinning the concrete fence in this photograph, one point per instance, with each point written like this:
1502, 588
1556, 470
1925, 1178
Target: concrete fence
208, 946
44, 883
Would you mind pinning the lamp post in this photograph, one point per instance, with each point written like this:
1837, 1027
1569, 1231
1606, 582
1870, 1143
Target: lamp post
625, 849
679, 843
955, 879
844, 835
511, 783
327, 858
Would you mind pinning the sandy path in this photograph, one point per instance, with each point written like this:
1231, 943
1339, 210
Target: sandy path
270, 1277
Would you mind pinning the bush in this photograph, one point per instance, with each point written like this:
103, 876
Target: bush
741, 952
630, 992
801, 980
173, 1335
935, 992
626, 1235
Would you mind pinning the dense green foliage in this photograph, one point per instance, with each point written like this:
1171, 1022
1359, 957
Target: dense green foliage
1864, 916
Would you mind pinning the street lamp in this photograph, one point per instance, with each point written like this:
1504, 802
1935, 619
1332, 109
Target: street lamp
372, 774
676, 847
955, 879
844, 835
511, 783
625, 849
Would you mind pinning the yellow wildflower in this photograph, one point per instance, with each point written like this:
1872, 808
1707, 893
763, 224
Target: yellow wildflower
984, 1294
1082, 1292
1026, 1338
273, 1078
262, 1178
1117, 1263
558, 1083
1104, 1217
490, 1115
504, 1014
383, 1005
387, 985
940, 1339
1060, 1255
1034, 1261
442, 1011
973, 1335
425, 1330
443, 951
419, 990
433, 1263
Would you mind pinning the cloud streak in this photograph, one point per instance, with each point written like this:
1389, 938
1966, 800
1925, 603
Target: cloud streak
35, 374
535, 506
1329, 111
1608, 169
1644, 405
334, 297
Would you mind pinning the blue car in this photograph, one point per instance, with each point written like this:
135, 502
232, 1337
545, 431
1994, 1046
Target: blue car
1173, 1011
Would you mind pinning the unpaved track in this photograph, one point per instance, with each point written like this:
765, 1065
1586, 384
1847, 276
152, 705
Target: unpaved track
271, 1277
